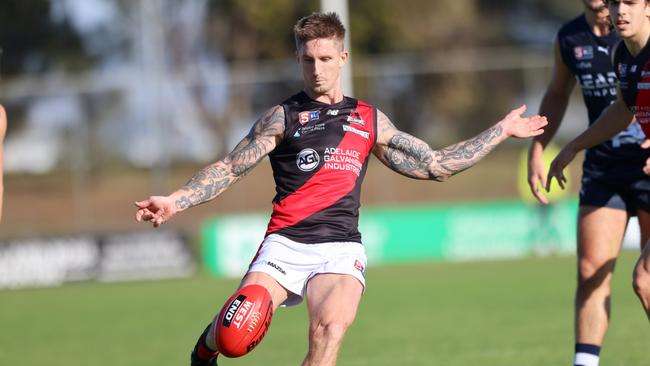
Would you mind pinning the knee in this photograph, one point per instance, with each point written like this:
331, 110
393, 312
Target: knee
328, 332
593, 272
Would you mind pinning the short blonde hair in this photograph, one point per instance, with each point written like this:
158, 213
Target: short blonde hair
318, 25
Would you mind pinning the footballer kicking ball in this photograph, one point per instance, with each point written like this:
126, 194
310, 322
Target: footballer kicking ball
244, 321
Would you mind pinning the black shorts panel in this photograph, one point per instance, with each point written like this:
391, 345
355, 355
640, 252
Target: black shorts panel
617, 193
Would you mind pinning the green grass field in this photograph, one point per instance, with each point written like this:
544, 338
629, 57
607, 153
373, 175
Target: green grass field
479, 313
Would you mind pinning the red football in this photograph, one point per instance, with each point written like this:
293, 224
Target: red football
244, 321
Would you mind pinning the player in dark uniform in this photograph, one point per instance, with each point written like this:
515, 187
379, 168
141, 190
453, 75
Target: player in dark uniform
632, 64
613, 186
319, 142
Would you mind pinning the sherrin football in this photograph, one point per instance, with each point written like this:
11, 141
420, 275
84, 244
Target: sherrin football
244, 321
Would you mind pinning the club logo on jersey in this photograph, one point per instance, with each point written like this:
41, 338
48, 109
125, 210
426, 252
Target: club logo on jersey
307, 160
355, 117
622, 70
305, 117
363, 134
583, 53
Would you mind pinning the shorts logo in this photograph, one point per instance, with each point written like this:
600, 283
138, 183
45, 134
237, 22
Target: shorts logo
304, 117
307, 160
273, 265
358, 265
583, 53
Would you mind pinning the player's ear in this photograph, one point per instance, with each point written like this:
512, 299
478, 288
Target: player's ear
344, 57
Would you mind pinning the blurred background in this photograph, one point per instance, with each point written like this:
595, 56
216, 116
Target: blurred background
110, 101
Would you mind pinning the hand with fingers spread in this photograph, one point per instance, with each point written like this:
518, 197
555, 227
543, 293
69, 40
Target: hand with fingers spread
561, 161
515, 125
155, 209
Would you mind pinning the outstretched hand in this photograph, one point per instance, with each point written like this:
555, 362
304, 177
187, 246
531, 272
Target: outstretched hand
155, 209
514, 124
561, 161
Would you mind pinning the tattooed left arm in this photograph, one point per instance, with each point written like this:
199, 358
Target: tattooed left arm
414, 158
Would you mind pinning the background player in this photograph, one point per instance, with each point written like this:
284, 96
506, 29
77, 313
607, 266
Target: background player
319, 143
3, 131
613, 188
631, 57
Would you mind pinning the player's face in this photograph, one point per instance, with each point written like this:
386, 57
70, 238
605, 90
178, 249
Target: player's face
629, 17
599, 9
321, 60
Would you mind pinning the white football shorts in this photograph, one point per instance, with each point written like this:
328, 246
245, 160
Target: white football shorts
293, 264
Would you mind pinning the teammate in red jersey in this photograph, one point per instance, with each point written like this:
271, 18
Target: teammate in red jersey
319, 142
632, 65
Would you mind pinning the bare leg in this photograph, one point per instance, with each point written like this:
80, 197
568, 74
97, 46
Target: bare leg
332, 301
641, 280
600, 234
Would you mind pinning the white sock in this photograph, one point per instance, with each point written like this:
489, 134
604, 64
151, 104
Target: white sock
585, 359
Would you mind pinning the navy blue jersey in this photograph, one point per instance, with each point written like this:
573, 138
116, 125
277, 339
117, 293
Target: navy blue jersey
318, 169
589, 57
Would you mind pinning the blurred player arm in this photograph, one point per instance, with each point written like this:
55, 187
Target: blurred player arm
553, 106
414, 158
613, 120
215, 178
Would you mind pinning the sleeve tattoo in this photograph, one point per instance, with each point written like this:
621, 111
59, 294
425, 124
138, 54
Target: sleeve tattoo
412, 157
212, 180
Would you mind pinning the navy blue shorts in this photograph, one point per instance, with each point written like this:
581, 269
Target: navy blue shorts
616, 192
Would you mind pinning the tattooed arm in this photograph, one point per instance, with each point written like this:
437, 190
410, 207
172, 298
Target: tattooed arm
413, 158
212, 180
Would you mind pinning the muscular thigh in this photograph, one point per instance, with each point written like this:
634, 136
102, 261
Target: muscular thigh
333, 297
600, 232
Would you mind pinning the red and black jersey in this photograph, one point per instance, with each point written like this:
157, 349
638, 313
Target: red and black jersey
634, 80
319, 167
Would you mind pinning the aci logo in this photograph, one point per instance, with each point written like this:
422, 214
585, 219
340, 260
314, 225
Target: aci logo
304, 117
307, 160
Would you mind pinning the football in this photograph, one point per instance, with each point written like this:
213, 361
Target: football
244, 321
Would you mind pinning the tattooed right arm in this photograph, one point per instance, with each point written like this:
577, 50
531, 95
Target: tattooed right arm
212, 180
